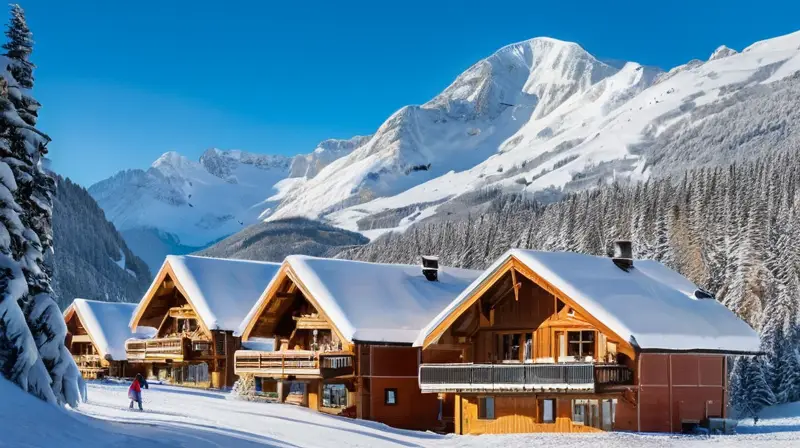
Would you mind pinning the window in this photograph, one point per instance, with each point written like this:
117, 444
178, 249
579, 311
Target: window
187, 325
390, 397
548, 411
579, 408
528, 355
334, 396
581, 344
595, 413
514, 346
486, 408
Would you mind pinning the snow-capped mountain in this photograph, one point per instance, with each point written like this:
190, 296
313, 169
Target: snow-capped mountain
179, 205
308, 165
541, 117
545, 115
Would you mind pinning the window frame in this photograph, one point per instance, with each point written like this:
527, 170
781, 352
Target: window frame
483, 408
581, 342
386, 392
552, 410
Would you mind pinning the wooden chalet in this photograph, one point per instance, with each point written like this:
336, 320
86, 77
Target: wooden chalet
564, 342
343, 333
196, 303
96, 335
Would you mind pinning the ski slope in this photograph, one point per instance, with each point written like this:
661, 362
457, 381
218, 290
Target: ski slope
180, 417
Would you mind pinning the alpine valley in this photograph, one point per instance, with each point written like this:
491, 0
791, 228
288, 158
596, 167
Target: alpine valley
541, 117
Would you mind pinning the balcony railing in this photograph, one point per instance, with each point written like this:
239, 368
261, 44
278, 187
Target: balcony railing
608, 375
517, 377
291, 363
87, 361
174, 348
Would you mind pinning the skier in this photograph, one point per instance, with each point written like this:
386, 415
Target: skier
135, 391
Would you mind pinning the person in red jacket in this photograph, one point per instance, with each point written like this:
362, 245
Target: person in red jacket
135, 391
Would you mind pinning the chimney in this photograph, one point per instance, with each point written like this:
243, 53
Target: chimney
430, 267
623, 255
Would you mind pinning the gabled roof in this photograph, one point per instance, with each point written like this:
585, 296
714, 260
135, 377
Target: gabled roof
107, 325
651, 306
371, 302
221, 291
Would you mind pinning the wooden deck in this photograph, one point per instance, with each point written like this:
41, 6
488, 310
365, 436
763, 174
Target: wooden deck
293, 363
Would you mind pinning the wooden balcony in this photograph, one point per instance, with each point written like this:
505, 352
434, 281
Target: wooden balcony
293, 363
520, 377
90, 366
175, 349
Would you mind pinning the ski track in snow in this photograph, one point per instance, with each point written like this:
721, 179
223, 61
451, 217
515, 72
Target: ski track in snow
199, 418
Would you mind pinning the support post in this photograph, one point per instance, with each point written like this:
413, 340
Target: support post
280, 387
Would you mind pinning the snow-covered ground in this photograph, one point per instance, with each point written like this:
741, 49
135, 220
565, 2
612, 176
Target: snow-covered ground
198, 418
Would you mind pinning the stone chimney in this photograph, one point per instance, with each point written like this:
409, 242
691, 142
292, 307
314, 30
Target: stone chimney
430, 267
623, 255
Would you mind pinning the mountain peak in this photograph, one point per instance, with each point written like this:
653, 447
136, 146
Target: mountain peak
538, 74
722, 52
170, 159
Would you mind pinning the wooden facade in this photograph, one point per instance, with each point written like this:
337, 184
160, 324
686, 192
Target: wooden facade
326, 372
92, 363
521, 356
184, 351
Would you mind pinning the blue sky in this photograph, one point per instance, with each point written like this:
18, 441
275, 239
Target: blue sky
122, 82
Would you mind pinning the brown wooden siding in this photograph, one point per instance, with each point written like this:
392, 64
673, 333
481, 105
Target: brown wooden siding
391, 367
680, 387
414, 410
515, 415
394, 361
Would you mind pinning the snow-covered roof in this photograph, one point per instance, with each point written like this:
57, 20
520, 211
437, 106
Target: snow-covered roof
651, 306
107, 325
221, 291
374, 302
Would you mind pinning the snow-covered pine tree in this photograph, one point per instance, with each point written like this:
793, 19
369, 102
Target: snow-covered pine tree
32, 193
740, 386
19, 358
19, 47
790, 375
761, 394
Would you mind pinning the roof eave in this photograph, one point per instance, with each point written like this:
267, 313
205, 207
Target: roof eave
702, 351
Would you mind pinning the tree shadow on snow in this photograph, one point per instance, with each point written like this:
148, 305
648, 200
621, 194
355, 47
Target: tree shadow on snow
371, 425
187, 391
235, 434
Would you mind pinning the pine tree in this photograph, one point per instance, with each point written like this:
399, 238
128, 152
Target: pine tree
761, 394
740, 386
30, 191
19, 47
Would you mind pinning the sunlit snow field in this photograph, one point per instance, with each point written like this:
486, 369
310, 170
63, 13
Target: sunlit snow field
197, 418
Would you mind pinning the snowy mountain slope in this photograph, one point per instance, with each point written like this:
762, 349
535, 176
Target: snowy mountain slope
90, 258
188, 203
541, 116
458, 129
605, 124
308, 165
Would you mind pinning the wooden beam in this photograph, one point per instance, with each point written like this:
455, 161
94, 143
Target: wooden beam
284, 295
165, 275
514, 283
182, 312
